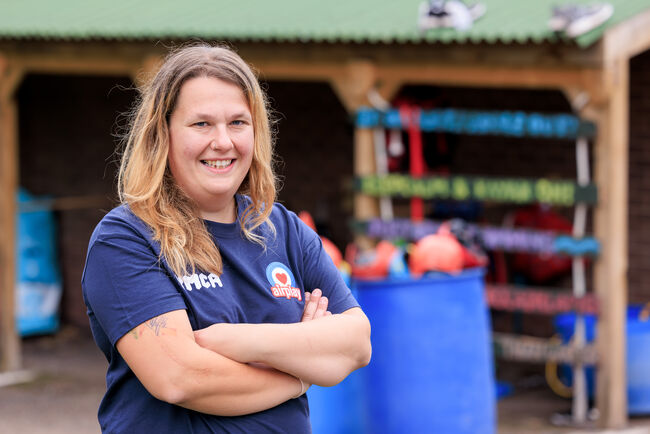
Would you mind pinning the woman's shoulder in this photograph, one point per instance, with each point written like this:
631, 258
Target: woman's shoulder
285, 221
291, 222
278, 211
120, 222
280, 214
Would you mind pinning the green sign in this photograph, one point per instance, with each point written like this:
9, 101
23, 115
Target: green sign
508, 190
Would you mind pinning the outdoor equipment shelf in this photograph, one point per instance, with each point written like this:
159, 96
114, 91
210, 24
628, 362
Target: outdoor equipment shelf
505, 190
475, 122
540, 350
493, 237
540, 301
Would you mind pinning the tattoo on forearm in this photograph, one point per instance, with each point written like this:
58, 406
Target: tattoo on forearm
156, 324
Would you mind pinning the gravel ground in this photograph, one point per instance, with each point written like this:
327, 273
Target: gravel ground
65, 394
69, 384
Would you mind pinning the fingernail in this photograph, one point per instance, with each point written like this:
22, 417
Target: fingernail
316, 292
323, 300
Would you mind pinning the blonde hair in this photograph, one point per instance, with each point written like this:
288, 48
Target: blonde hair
146, 184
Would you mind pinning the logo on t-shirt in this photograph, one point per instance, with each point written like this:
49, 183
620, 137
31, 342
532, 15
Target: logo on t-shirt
282, 281
200, 280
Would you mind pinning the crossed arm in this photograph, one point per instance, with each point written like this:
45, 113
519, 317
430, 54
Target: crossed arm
214, 371
322, 352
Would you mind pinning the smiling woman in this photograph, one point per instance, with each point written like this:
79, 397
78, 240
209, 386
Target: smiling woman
215, 307
211, 144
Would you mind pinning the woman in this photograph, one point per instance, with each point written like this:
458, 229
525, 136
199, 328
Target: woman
198, 285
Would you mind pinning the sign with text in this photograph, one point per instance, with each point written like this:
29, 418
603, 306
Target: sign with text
507, 190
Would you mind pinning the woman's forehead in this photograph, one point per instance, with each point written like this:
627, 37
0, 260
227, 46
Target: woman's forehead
209, 94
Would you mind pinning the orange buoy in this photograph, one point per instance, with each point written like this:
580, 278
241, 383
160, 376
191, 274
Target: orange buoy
436, 252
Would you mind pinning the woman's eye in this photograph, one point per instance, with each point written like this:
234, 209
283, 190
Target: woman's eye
238, 122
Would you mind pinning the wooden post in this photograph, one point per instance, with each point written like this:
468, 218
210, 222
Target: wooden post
10, 353
611, 228
352, 88
365, 207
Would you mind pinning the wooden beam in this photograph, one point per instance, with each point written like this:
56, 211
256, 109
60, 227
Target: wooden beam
10, 353
532, 55
488, 75
74, 64
353, 82
611, 227
290, 71
525, 65
513, 66
431, 73
146, 70
388, 89
629, 38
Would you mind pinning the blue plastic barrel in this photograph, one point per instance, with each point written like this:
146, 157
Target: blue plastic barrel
38, 278
638, 361
432, 368
337, 409
637, 355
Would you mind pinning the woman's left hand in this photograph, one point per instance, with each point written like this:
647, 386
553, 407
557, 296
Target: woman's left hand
315, 306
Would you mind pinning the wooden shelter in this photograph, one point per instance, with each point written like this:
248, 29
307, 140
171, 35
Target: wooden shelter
357, 46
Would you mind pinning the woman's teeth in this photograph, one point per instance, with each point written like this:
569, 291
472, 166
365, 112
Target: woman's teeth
217, 164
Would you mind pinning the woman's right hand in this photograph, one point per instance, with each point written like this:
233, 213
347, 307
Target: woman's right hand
315, 306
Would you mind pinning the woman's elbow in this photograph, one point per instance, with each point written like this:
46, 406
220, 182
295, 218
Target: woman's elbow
168, 393
354, 360
172, 386
364, 352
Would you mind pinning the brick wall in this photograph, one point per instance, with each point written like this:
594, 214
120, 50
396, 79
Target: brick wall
67, 146
315, 150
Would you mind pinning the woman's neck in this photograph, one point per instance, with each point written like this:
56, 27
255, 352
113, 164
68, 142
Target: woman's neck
223, 214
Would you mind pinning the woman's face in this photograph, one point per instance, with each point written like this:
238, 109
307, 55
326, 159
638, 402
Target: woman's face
211, 144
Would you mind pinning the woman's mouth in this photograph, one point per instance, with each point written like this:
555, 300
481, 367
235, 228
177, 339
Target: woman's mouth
217, 164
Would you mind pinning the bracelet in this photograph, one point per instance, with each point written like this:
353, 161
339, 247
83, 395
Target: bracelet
303, 388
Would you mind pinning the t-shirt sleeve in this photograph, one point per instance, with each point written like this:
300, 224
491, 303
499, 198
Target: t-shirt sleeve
124, 285
320, 272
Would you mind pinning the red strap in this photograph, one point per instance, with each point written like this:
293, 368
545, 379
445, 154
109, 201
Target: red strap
410, 117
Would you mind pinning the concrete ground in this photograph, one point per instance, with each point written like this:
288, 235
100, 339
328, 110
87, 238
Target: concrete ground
65, 394
69, 382
534, 411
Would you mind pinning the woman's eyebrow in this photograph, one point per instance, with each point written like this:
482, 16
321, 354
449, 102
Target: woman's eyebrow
200, 115
242, 114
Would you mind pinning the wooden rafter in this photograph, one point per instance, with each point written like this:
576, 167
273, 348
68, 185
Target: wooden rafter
72, 63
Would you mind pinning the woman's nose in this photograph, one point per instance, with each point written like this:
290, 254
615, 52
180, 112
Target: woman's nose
221, 140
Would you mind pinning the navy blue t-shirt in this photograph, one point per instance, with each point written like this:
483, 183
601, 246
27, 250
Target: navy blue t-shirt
124, 284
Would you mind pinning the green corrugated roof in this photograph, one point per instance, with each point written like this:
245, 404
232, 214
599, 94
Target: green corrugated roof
375, 21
